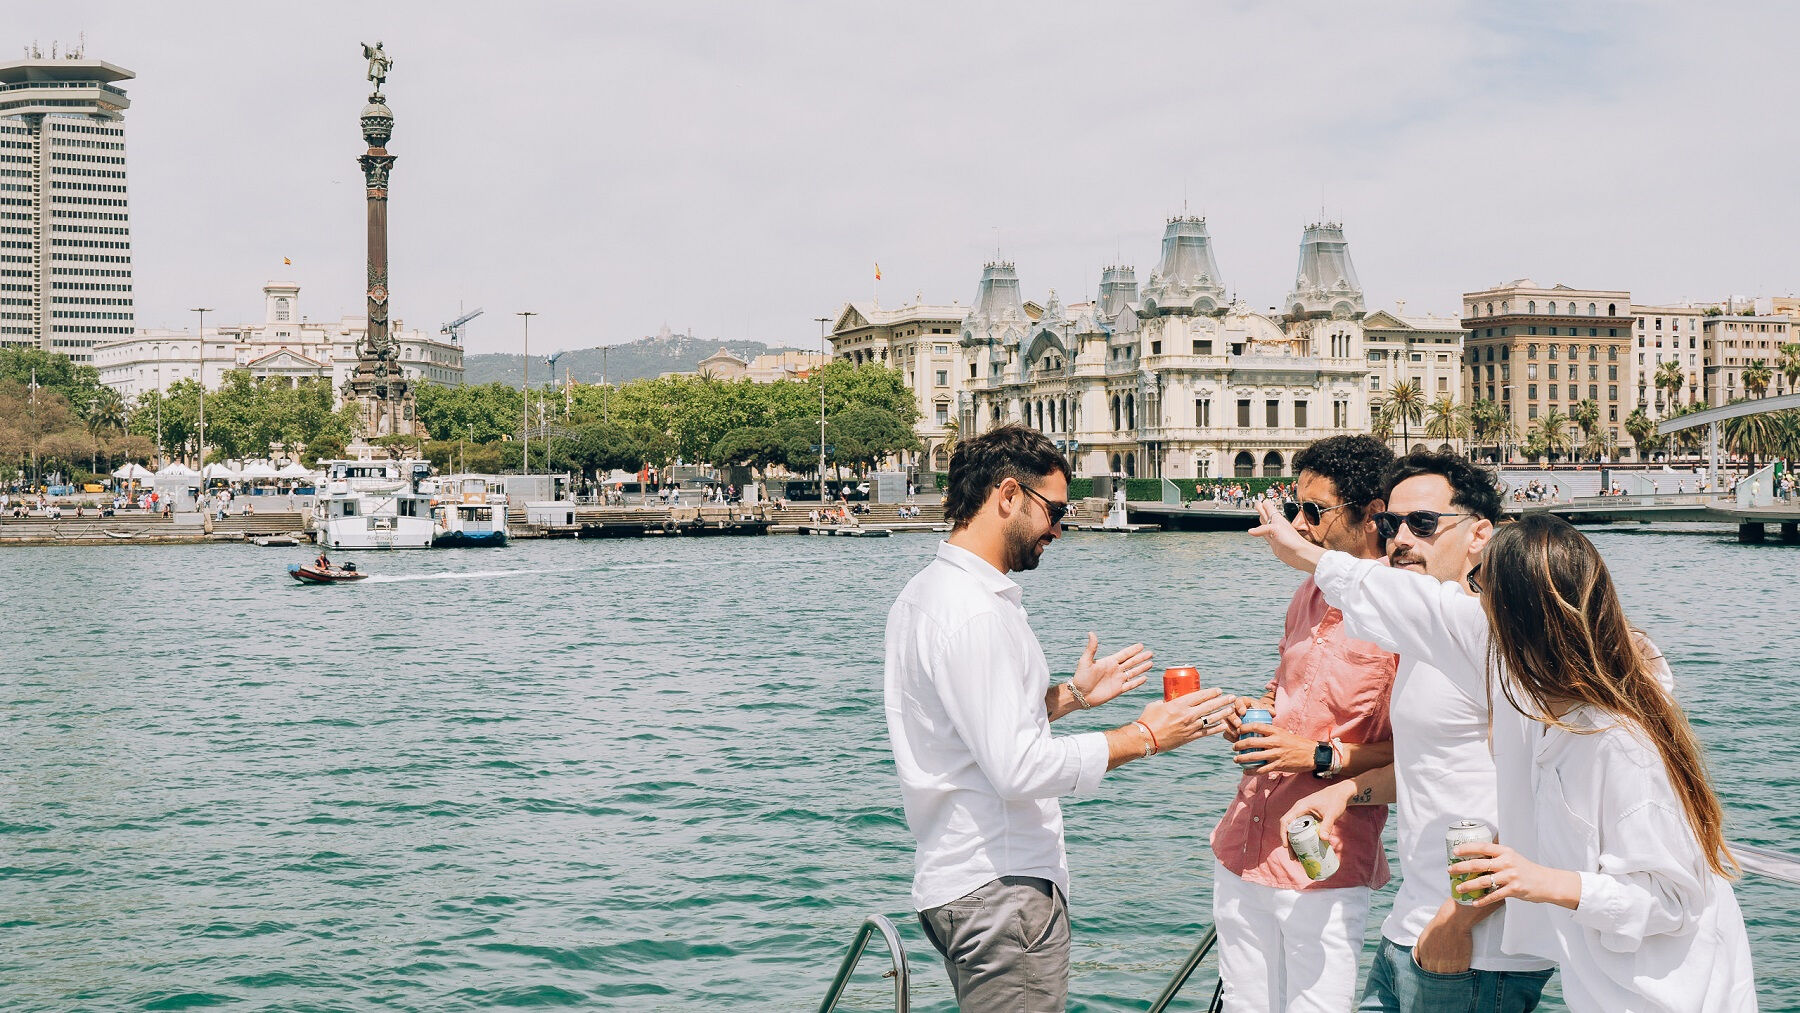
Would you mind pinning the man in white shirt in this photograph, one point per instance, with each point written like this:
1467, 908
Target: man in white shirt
969, 706
1436, 955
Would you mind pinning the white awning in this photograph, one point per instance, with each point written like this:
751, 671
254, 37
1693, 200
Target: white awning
134, 472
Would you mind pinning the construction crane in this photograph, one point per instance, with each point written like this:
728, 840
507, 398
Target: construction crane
454, 327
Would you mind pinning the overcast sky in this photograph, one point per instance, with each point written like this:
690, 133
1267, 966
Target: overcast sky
739, 168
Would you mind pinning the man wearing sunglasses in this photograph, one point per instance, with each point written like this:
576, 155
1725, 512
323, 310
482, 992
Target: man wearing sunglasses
1288, 943
969, 707
1435, 955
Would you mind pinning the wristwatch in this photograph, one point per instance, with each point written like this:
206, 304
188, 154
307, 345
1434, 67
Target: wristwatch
1322, 758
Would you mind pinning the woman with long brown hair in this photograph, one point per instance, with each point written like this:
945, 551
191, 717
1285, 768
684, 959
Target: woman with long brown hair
1613, 856
1630, 844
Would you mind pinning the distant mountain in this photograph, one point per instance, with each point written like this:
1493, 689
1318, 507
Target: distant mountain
635, 360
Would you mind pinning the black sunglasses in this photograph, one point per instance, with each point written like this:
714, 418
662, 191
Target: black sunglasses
1474, 584
1055, 511
1315, 514
1423, 523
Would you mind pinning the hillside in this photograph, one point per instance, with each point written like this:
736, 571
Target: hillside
635, 360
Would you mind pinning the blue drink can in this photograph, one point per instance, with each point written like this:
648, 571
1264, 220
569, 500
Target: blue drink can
1256, 716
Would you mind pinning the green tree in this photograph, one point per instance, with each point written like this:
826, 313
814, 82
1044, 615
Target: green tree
1403, 407
1446, 420
1551, 437
1671, 378
1642, 430
1756, 377
863, 436
1788, 364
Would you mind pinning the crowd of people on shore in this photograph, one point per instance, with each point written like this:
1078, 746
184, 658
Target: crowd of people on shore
1477, 675
1238, 494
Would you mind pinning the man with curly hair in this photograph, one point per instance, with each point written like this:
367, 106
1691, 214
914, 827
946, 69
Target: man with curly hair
1287, 942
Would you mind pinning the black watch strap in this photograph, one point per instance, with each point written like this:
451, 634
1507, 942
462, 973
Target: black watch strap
1322, 758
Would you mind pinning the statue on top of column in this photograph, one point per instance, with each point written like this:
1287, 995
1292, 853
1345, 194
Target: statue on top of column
379, 64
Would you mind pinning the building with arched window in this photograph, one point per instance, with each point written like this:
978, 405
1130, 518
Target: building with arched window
1532, 363
1175, 377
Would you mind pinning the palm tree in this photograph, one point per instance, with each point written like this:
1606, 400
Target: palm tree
1446, 420
1586, 414
1642, 430
1404, 405
1670, 377
1599, 444
1756, 377
105, 413
1762, 435
1788, 363
1491, 426
1551, 436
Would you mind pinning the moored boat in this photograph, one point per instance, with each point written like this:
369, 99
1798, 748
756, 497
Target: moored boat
465, 513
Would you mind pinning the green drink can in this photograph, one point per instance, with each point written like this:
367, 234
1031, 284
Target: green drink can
1319, 861
1460, 833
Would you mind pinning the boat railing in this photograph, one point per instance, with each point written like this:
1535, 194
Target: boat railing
1756, 861
896, 952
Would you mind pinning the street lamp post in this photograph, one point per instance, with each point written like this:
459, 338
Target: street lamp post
159, 400
822, 322
526, 434
201, 370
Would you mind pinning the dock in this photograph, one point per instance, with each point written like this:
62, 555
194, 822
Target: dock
841, 531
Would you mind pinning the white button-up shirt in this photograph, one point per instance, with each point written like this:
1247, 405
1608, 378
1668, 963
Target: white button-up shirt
1656, 929
980, 772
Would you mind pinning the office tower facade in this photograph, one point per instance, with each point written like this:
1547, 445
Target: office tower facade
65, 220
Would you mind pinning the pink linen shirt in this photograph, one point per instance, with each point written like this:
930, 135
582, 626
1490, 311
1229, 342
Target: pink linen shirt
1327, 686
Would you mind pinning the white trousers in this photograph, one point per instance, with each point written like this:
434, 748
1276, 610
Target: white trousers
1287, 951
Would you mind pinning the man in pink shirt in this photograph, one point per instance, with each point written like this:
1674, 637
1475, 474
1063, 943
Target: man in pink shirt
1286, 942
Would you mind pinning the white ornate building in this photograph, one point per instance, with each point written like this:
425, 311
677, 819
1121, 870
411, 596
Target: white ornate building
284, 345
1177, 380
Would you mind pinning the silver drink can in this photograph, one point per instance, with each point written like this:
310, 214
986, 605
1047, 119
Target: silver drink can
1256, 716
1460, 833
1319, 861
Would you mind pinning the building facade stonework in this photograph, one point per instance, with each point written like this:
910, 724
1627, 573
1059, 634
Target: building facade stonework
284, 346
1176, 378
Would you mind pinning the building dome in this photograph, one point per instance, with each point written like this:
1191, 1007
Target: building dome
377, 124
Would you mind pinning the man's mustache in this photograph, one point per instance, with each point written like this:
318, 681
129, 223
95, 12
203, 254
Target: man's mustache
1405, 557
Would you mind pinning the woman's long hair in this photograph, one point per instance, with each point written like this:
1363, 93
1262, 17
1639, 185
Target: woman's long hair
1560, 638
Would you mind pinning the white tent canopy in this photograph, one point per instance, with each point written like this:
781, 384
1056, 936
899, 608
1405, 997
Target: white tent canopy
260, 469
176, 470
221, 471
294, 469
134, 472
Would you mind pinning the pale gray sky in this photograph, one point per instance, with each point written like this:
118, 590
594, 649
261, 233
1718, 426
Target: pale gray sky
738, 168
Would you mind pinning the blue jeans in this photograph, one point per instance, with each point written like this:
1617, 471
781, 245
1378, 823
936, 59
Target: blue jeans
1399, 985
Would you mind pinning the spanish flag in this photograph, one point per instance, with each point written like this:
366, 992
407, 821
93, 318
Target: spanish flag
878, 270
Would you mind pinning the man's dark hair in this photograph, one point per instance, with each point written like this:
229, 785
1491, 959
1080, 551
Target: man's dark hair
1471, 487
1353, 463
982, 462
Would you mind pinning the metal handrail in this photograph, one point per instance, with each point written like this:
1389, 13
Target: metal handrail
1766, 863
1186, 971
890, 936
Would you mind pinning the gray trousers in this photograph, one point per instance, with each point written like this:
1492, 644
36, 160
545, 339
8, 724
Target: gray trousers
1005, 946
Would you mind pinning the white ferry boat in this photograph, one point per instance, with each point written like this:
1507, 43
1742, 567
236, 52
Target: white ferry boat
374, 505
466, 513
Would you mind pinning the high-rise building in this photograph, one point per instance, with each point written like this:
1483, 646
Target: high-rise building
65, 222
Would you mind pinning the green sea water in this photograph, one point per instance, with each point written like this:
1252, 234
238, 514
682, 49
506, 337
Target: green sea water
643, 775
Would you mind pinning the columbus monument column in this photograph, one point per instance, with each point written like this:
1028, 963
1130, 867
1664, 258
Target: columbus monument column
384, 396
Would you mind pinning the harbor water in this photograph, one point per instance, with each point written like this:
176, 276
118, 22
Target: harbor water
645, 774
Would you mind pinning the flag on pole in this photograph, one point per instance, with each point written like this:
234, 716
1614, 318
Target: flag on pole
284, 260
878, 270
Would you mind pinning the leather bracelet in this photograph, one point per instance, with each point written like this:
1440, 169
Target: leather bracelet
1152, 748
1080, 697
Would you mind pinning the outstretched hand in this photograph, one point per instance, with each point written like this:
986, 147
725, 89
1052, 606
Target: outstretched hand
1290, 546
1103, 679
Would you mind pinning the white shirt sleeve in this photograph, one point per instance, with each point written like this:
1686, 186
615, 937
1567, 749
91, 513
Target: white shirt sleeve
1646, 885
1411, 614
981, 678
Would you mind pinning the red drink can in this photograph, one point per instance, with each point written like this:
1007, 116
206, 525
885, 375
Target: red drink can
1180, 681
